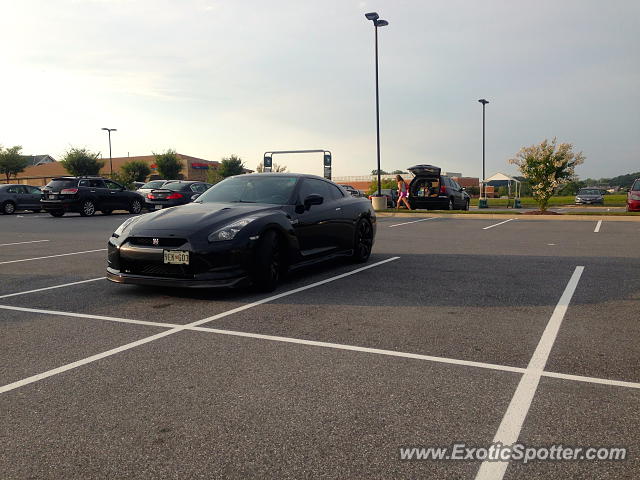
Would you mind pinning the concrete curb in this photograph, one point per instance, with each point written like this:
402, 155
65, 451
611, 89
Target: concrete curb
491, 216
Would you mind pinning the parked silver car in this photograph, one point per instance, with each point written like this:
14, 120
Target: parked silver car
589, 196
19, 197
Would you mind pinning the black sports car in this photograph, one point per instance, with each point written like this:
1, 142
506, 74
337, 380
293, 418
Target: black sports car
246, 229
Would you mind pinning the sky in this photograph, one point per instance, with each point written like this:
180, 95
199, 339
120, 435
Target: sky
211, 78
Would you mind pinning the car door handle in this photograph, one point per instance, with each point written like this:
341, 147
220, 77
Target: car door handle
338, 208
93, 191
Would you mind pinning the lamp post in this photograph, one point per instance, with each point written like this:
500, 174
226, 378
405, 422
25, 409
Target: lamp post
109, 130
377, 22
482, 203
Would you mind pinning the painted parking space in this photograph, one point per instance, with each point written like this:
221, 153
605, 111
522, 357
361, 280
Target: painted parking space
426, 347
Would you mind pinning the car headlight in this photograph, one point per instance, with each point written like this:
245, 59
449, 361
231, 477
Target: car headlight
635, 197
228, 232
126, 224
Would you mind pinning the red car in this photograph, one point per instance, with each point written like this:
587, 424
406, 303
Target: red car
633, 197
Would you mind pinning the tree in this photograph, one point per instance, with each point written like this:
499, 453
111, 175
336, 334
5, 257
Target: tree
274, 168
213, 176
11, 162
388, 183
396, 172
80, 161
230, 166
547, 166
375, 172
136, 171
169, 165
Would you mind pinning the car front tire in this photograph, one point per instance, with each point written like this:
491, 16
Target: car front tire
269, 262
56, 213
8, 208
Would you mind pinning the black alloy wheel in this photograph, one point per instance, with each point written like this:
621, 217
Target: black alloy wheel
269, 262
363, 241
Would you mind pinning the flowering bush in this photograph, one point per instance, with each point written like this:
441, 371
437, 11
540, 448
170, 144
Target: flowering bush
547, 166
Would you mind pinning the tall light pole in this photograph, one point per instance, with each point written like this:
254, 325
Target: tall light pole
109, 130
377, 22
482, 203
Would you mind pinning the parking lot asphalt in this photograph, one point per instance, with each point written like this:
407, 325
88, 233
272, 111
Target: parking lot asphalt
455, 331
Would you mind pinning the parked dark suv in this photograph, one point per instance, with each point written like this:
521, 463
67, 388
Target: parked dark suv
86, 195
430, 190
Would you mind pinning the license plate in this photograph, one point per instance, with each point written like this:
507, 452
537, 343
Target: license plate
157, 207
176, 257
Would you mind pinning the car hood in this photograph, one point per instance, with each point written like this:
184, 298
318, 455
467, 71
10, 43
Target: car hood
194, 217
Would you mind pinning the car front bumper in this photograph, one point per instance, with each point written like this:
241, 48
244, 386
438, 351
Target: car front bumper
221, 265
633, 205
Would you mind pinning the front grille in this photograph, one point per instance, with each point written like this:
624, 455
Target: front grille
156, 269
162, 242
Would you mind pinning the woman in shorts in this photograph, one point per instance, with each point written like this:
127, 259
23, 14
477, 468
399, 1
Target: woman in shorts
403, 192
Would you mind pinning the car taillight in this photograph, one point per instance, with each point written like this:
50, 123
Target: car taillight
174, 196
68, 191
443, 189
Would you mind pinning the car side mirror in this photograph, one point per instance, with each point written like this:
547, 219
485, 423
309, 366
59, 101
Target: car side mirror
313, 199
193, 197
462, 189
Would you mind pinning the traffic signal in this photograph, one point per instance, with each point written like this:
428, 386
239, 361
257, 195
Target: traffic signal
267, 163
327, 159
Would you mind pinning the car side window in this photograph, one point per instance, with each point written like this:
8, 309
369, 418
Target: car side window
83, 183
13, 189
312, 186
334, 191
198, 187
34, 190
96, 184
112, 185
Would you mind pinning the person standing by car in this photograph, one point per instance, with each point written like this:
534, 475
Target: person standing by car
403, 192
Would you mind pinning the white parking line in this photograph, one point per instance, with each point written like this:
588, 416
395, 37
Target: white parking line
414, 221
511, 424
52, 256
21, 243
495, 225
93, 358
89, 316
51, 288
337, 346
598, 225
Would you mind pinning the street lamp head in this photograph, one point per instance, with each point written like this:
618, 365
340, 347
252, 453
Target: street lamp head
373, 16
381, 23
483, 101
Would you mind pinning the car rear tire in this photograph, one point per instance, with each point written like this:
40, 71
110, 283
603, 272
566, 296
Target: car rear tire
8, 208
88, 208
269, 262
56, 213
363, 241
136, 207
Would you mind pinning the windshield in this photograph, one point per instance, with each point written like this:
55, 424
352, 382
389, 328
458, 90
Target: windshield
636, 186
589, 191
57, 185
252, 189
153, 184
